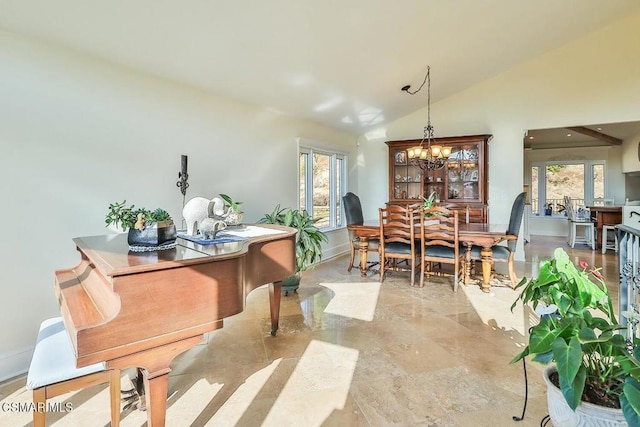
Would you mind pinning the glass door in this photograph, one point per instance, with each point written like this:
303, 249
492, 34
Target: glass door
463, 174
407, 179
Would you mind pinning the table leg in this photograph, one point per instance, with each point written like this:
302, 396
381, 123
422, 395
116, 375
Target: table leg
486, 254
467, 265
364, 247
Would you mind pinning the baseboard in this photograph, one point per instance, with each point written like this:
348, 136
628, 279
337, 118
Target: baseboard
335, 251
15, 363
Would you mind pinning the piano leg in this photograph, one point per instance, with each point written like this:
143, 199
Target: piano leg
275, 294
155, 364
156, 388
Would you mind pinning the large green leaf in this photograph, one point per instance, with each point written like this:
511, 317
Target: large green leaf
630, 401
541, 337
543, 358
572, 390
568, 358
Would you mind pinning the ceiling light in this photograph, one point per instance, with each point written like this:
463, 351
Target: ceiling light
568, 134
427, 155
530, 137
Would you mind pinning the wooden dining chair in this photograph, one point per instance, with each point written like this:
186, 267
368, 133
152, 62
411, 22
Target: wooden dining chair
398, 239
354, 216
506, 253
440, 242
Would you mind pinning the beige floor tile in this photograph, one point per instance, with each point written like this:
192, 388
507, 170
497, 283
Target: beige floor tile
351, 351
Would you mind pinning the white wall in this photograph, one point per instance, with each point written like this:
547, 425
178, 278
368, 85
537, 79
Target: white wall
595, 79
631, 154
77, 134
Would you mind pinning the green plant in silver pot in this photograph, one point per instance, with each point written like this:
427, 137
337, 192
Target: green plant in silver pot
579, 333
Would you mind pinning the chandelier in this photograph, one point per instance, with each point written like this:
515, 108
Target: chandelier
427, 155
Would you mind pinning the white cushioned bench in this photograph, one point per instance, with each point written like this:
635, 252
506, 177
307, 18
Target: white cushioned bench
53, 371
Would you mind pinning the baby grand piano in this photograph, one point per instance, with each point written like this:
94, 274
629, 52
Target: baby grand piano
142, 309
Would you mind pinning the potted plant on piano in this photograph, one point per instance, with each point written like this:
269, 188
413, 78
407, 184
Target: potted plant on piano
233, 212
147, 230
594, 376
308, 241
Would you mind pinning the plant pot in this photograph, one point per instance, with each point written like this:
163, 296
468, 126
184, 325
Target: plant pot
586, 414
234, 218
291, 283
161, 235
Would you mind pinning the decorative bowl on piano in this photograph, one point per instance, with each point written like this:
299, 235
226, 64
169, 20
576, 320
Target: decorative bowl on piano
158, 236
148, 230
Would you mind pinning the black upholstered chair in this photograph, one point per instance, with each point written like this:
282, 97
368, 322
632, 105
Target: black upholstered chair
507, 253
354, 216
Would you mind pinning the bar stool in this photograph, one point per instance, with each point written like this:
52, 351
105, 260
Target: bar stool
53, 372
605, 241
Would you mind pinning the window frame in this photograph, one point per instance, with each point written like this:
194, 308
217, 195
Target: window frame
336, 217
588, 180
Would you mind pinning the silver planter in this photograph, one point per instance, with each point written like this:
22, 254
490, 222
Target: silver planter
162, 233
586, 414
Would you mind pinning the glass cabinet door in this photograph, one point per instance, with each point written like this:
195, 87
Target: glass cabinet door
407, 179
463, 174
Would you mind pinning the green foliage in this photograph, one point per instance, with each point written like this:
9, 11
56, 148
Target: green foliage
555, 168
126, 217
308, 238
579, 332
232, 204
428, 202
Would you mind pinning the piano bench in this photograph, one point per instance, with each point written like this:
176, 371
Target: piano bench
53, 372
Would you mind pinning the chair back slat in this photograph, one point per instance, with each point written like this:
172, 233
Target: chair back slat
398, 238
397, 224
439, 227
440, 241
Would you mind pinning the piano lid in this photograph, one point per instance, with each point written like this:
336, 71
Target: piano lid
112, 255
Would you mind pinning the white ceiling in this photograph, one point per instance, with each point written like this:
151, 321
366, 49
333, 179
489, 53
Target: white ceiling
537, 139
336, 62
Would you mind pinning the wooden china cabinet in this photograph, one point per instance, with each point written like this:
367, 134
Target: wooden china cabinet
460, 185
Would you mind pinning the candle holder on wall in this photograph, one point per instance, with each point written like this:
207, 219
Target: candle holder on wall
183, 178
183, 183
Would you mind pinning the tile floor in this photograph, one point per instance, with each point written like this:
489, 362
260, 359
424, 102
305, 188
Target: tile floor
350, 352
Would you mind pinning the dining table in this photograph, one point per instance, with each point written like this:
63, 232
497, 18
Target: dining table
470, 234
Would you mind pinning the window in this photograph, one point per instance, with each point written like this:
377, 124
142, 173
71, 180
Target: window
551, 181
322, 182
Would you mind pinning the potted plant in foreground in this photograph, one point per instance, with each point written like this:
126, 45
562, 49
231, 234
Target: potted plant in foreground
579, 333
148, 230
308, 241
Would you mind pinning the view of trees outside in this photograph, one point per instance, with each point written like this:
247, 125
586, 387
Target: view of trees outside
322, 182
302, 180
565, 180
321, 188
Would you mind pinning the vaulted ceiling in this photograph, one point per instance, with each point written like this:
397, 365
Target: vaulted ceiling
339, 63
